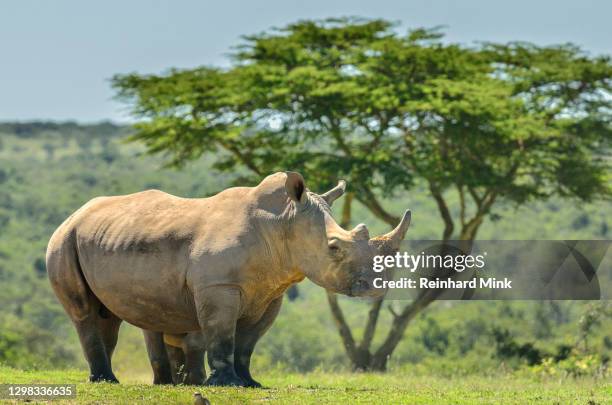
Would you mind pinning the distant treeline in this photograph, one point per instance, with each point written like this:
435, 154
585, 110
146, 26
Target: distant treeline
33, 129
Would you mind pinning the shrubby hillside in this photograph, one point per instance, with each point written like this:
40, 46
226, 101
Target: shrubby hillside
47, 170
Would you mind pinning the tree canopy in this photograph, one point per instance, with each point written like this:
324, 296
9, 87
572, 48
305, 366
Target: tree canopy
345, 98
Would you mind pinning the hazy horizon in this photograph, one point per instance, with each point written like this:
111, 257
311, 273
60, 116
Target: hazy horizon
57, 57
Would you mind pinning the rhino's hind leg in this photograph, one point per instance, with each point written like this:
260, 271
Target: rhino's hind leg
96, 326
176, 356
98, 339
108, 325
247, 335
158, 357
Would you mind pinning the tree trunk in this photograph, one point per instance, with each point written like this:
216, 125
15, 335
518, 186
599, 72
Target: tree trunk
359, 355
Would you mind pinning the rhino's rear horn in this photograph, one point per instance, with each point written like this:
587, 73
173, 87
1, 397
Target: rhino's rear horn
335, 193
360, 232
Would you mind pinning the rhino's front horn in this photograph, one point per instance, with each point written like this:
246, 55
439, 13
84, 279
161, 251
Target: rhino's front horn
335, 193
395, 237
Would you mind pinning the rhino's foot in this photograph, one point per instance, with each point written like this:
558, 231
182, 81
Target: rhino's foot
248, 380
103, 378
161, 381
252, 383
225, 380
161, 372
194, 379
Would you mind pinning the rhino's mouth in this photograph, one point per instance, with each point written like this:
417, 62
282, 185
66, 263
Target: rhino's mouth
360, 288
365, 288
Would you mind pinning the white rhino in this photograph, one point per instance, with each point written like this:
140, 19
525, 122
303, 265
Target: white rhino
216, 265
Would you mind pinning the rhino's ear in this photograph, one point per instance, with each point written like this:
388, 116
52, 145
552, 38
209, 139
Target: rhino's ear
295, 186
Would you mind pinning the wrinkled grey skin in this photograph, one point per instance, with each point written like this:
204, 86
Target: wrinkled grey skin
216, 265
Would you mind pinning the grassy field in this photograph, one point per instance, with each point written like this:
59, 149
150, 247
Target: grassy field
323, 388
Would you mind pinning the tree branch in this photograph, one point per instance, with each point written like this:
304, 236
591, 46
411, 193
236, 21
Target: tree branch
248, 162
334, 129
461, 204
367, 198
469, 230
444, 212
475, 196
390, 308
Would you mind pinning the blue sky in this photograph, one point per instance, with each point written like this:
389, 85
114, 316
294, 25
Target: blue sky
56, 56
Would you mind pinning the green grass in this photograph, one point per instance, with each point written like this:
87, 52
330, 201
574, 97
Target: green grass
323, 388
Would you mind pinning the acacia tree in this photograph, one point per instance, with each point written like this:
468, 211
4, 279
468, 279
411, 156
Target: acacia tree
352, 99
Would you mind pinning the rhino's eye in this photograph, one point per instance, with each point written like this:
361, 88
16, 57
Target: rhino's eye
334, 246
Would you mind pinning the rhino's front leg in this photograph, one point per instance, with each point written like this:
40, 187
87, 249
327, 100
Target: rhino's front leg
247, 335
218, 311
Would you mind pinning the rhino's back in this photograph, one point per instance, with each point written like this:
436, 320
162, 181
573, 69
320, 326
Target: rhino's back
118, 222
134, 220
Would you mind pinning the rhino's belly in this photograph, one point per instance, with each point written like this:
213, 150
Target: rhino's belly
144, 288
